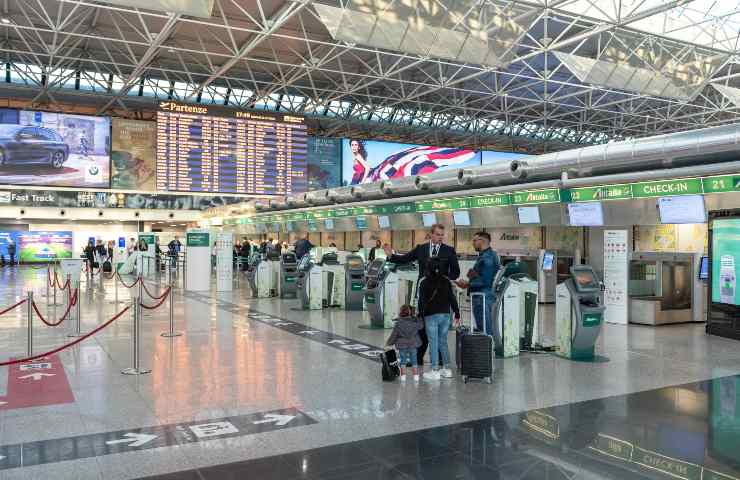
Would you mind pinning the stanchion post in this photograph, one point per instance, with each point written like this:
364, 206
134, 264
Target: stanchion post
172, 333
29, 314
48, 270
77, 316
137, 370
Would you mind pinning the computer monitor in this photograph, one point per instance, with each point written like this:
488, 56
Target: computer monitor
384, 221
289, 226
528, 215
329, 223
704, 268
586, 214
429, 219
548, 261
682, 209
461, 218
361, 223
312, 225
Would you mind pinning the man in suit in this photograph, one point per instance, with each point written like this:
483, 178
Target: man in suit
421, 254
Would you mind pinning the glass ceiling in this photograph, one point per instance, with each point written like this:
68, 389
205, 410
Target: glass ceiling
709, 23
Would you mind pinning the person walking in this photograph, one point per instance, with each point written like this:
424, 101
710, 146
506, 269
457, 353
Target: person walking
480, 280
11, 252
434, 248
437, 301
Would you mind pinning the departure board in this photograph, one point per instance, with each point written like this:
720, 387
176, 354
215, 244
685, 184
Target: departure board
214, 149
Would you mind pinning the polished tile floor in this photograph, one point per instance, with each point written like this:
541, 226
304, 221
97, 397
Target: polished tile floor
664, 395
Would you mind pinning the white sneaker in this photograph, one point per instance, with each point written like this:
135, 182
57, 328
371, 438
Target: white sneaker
433, 375
416, 378
403, 378
445, 373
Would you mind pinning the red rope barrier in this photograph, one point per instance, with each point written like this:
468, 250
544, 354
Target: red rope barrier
163, 297
50, 280
13, 306
71, 344
59, 284
124, 283
152, 296
72, 302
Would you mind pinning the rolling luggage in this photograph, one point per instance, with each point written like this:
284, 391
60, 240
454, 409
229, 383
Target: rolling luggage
476, 349
107, 267
390, 369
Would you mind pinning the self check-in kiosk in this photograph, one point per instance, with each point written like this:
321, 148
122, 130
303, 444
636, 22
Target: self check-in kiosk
579, 313
310, 284
540, 265
515, 314
354, 281
333, 284
259, 275
288, 275
388, 287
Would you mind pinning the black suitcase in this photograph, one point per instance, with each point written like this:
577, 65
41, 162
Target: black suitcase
390, 369
107, 267
460, 332
476, 355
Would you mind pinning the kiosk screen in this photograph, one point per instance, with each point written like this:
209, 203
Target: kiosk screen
548, 259
329, 224
355, 263
428, 219
461, 217
384, 221
375, 267
304, 263
704, 269
585, 280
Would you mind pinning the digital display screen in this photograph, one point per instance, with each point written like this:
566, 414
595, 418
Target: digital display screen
528, 214
461, 218
375, 267
725, 260
428, 219
37, 247
587, 214
682, 209
133, 154
203, 148
373, 161
384, 221
54, 149
289, 226
704, 268
312, 225
585, 280
361, 223
355, 263
329, 224
548, 259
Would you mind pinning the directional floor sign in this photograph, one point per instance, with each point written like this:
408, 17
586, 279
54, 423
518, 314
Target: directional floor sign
85, 446
39, 383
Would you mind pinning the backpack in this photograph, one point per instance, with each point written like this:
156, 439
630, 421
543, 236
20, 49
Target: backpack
390, 369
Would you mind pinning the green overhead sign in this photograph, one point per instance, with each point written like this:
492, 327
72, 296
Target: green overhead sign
625, 191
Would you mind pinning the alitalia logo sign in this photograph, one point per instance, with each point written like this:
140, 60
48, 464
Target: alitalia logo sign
551, 195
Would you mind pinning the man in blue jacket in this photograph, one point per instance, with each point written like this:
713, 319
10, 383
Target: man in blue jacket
303, 247
480, 280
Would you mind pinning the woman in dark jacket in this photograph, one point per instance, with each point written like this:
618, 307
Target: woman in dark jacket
436, 301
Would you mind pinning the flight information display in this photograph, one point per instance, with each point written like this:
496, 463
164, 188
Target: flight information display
204, 148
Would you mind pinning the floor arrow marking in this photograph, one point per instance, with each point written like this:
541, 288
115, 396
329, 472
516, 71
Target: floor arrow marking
134, 440
278, 420
36, 376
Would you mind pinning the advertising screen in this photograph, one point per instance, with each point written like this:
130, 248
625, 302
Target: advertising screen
324, 163
384, 221
461, 218
725, 260
528, 214
489, 157
704, 268
367, 161
54, 149
133, 154
587, 214
207, 148
5, 239
35, 247
428, 219
682, 209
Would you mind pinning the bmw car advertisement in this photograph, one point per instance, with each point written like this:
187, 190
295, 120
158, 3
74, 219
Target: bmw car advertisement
54, 149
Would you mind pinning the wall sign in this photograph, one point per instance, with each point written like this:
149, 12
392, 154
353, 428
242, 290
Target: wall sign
616, 276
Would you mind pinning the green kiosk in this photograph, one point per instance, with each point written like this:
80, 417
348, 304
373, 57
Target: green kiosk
579, 313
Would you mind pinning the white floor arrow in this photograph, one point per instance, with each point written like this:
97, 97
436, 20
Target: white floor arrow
36, 376
278, 420
134, 440
3, 403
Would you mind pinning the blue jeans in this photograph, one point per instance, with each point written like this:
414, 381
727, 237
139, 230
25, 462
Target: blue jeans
479, 314
437, 328
407, 356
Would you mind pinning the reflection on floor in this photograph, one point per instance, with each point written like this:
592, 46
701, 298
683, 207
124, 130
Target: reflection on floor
236, 365
690, 431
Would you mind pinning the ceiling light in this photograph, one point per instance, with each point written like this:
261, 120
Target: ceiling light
5, 20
